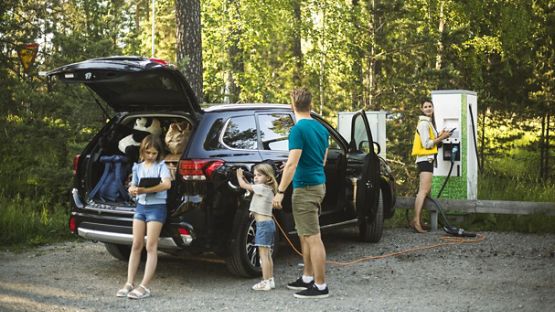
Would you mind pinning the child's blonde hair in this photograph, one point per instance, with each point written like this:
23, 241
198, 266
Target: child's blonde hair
268, 171
151, 141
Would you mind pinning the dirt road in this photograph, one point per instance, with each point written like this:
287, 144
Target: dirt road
505, 272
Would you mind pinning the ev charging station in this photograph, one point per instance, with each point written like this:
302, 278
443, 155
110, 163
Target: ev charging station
456, 109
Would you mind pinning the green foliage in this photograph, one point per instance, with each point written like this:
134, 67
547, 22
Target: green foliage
376, 55
523, 224
31, 221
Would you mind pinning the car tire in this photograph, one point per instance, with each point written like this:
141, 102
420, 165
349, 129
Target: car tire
243, 259
120, 252
371, 229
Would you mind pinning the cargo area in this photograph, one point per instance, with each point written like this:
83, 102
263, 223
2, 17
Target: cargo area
106, 170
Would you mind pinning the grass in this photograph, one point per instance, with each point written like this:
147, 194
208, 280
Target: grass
29, 222
498, 185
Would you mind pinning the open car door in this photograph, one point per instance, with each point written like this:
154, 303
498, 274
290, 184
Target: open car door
369, 211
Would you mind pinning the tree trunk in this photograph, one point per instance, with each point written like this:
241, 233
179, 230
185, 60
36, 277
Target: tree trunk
542, 150
296, 44
547, 147
371, 60
322, 74
232, 91
441, 28
189, 43
357, 56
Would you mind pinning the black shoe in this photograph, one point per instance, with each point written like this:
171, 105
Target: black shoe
300, 285
313, 292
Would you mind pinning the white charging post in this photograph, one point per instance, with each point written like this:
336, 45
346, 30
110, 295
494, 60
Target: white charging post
452, 110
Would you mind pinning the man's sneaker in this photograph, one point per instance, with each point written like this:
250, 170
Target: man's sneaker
313, 292
272, 283
300, 285
262, 285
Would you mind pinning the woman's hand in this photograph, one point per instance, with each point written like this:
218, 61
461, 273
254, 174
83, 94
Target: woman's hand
239, 173
444, 135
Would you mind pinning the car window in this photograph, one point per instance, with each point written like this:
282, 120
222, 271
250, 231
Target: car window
362, 142
274, 131
333, 143
240, 133
212, 139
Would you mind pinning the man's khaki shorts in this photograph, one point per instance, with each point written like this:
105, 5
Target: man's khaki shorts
306, 202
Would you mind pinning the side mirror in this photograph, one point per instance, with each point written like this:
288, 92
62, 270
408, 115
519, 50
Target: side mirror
364, 146
377, 148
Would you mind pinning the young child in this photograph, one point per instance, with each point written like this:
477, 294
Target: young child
150, 215
261, 208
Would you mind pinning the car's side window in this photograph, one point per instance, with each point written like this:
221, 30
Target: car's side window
274, 131
212, 139
333, 143
240, 133
362, 142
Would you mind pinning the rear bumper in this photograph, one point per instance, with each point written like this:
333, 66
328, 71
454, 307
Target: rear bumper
113, 224
127, 239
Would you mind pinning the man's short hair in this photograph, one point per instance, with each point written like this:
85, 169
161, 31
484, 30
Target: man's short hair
301, 99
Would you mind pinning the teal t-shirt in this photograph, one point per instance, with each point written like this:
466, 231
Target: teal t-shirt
311, 137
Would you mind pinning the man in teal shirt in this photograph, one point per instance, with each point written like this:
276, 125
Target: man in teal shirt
308, 148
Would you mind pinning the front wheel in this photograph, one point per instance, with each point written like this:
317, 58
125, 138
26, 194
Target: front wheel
371, 227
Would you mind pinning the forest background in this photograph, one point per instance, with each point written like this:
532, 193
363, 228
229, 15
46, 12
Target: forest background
372, 55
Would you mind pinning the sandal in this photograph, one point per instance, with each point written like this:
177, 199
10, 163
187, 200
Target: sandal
125, 290
138, 294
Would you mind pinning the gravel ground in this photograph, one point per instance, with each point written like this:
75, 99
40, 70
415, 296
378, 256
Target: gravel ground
505, 272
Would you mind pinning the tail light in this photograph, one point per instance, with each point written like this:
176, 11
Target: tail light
198, 169
159, 61
183, 231
72, 225
75, 163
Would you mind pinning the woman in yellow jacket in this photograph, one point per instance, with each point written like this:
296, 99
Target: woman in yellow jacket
424, 148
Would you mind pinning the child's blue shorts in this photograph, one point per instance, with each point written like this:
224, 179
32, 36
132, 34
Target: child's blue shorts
147, 213
265, 231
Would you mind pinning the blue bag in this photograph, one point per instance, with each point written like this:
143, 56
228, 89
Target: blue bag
110, 186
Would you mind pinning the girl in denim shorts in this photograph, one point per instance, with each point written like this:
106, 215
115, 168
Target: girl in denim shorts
150, 214
261, 208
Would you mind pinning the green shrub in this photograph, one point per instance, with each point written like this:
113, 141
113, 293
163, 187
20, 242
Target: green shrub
31, 221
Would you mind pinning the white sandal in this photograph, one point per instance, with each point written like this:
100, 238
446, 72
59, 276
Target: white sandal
263, 285
125, 290
137, 294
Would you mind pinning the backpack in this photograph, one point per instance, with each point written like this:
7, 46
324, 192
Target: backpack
110, 186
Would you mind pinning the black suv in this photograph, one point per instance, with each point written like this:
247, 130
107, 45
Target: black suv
207, 212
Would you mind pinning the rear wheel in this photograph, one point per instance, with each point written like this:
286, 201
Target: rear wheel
120, 252
371, 227
243, 258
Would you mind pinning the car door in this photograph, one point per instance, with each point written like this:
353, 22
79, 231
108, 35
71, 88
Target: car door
333, 208
364, 163
273, 130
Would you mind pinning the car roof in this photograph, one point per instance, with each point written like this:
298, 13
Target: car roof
244, 106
